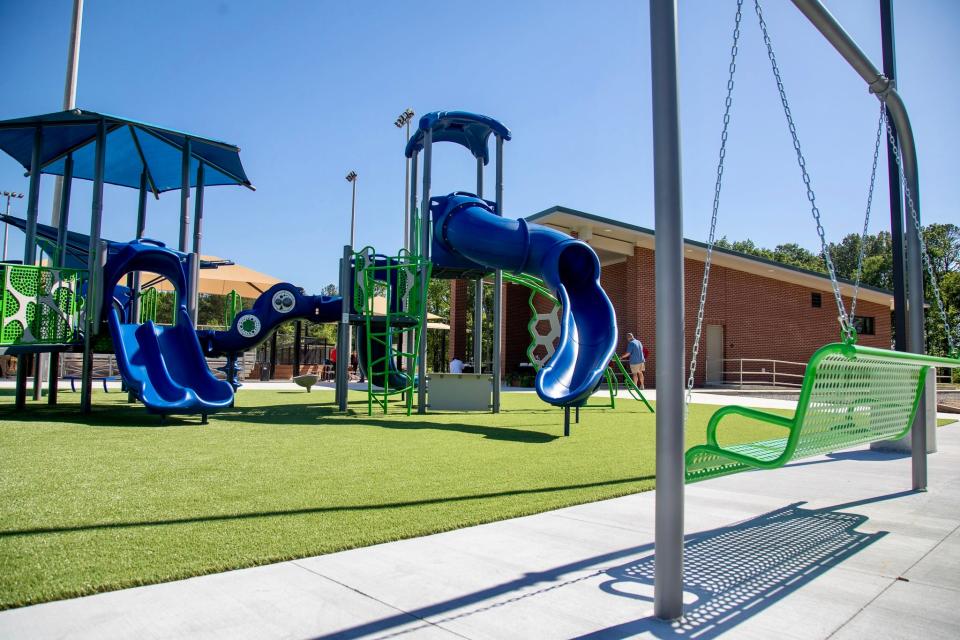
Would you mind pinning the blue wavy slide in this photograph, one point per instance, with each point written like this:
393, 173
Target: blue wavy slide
280, 303
162, 365
469, 228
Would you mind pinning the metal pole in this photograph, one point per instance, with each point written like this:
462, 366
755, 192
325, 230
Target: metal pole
185, 197
141, 227
33, 199
197, 240
69, 99
29, 252
63, 219
406, 193
297, 344
478, 296
413, 199
93, 268
893, 184
411, 243
425, 252
668, 251
343, 335
353, 213
881, 85
498, 289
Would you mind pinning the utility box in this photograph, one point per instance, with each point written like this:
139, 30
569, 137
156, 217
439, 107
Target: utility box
460, 391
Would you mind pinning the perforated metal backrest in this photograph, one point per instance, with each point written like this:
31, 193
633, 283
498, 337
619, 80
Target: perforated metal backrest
855, 396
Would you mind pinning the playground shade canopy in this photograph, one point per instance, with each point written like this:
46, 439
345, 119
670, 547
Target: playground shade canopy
433, 320
132, 147
470, 130
221, 279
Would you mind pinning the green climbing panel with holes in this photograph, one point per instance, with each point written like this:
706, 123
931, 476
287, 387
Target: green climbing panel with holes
545, 341
38, 305
851, 395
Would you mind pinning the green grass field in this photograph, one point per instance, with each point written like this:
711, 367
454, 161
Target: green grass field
118, 500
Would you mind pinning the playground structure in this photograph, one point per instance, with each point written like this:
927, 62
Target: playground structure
54, 309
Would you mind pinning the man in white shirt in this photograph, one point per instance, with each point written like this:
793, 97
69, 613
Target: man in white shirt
456, 365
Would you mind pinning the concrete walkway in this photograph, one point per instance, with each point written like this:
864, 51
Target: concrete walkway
828, 547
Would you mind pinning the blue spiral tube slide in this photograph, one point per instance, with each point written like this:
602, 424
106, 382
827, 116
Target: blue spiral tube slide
470, 229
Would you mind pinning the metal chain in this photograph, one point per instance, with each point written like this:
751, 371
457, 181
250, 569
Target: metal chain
866, 219
845, 328
732, 69
951, 345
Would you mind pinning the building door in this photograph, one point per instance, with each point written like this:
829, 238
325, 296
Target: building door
714, 373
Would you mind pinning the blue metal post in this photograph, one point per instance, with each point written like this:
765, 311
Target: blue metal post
29, 250
197, 239
63, 220
185, 197
94, 275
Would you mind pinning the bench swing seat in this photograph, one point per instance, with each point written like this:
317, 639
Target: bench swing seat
851, 395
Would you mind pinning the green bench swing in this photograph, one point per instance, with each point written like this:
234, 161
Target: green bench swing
851, 395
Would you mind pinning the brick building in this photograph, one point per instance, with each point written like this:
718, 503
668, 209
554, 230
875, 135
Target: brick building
756, 308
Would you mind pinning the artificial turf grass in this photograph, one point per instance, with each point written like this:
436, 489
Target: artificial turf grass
115, 500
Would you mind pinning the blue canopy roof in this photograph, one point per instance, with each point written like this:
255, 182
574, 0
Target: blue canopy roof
470, 130
131, 147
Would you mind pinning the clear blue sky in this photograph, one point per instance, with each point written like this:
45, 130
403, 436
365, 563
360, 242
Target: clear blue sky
309, 91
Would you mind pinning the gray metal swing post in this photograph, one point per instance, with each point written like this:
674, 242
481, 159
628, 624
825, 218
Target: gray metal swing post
668, 223
425, 253
883, 87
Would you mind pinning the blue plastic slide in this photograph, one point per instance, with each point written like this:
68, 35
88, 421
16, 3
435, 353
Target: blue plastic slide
378, 352
469, 229
163, 366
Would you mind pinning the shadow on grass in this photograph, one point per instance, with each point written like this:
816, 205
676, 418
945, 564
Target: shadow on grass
318, 510
730, 574
325, 414
309, 415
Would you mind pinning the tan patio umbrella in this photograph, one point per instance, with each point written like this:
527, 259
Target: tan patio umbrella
222, 280
433, 320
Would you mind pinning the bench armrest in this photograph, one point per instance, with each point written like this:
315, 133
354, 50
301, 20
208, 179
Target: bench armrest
747, 412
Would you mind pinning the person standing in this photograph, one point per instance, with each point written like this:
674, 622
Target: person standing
638, 363
456, 365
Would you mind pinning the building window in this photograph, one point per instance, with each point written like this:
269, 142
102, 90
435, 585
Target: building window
816, 300
864, 325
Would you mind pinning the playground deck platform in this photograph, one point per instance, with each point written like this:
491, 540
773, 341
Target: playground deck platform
829, 547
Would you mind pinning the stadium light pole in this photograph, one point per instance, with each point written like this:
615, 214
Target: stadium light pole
6, 227
404, 119
352, 179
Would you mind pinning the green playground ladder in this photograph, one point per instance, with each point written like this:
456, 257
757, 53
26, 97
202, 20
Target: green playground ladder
851, 395
538, 287
39, 305
233, 306
391, 331
149, 298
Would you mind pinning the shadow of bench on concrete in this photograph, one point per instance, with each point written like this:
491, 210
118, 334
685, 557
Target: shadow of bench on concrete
733, 573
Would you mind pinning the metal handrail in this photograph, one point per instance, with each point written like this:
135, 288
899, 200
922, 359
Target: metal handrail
776, 378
